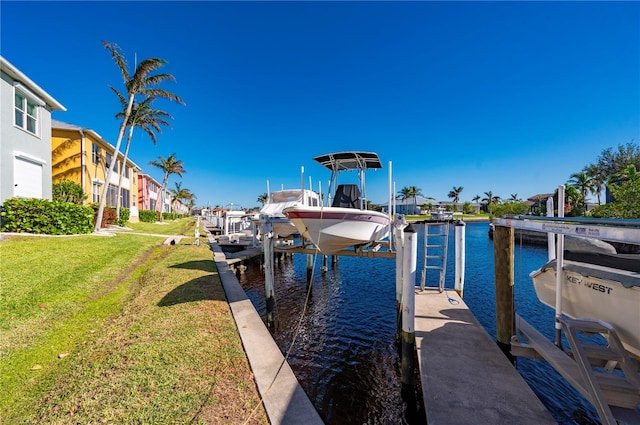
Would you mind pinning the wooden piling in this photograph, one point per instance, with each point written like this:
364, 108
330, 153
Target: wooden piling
309, 268
503, 249
269, 289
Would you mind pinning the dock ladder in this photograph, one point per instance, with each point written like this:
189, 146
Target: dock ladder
609, 374
437, 239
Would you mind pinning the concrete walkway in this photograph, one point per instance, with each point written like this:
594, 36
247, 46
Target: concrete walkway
466, 379
284, 400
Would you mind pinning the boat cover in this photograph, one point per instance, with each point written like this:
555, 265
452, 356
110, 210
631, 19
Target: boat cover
347, 196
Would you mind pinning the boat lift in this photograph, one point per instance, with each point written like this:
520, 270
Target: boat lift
609, 377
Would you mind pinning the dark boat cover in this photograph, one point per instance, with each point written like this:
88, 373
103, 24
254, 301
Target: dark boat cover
347, 196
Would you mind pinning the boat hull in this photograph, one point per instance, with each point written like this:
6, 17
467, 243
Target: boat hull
333, 229
592, 291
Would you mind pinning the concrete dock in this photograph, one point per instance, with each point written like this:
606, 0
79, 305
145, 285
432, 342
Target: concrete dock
466, 379
283, 398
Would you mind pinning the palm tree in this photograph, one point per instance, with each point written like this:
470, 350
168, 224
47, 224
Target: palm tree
514, 197
455, 194
596, 174
409, 192
180, 194
263, 198
490, 200
141, 83
476, 198
147, 119
169, 166
583, 184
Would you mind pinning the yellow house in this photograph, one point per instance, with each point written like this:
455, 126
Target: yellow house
79, 154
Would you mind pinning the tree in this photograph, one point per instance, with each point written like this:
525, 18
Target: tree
514, 198
141, 83
147, 119
409, 192
626, 202
263, 198
597, 178
583, 184
180, 194
476, 198
611, 163
455, 195
169, 166
490, 201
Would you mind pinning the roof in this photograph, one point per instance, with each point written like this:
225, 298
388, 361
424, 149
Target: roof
19, 76
349, 160
61, 125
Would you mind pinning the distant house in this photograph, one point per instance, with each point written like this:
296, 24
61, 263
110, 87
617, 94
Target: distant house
81, 155
149, 193
538, 203
25, 131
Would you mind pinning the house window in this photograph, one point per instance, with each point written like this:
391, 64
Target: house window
112, 196
95, 189
108, 163
95, 154
26, 113
125, 198
126, 172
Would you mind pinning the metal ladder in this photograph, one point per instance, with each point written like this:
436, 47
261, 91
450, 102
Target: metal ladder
438, 239
613, 394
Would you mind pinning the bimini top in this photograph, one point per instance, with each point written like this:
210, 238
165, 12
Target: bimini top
349, 160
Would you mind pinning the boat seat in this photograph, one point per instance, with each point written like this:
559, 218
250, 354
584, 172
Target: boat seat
347, 196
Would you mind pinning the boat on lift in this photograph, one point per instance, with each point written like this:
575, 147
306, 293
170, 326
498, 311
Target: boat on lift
347, 222
279, 200
598, 285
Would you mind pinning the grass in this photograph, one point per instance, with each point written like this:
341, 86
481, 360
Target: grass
118, 330
184, 227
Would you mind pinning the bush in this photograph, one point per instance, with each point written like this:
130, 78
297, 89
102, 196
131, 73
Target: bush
148, 216
467, 208
42, 216
68, 191
511, 208
125, 213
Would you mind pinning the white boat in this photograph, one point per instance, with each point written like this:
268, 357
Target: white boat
346, 223
281, 199
598, 286
441, 214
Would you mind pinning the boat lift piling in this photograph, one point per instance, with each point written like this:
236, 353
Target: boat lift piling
409, 261
503, 249
267, 247
460, 236
398, 227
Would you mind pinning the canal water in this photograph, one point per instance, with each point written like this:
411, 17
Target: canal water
344, 352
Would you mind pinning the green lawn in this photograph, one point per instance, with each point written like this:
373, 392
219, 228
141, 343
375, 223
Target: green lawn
122, 329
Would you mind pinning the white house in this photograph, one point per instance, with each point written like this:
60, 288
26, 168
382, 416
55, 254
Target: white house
25, 135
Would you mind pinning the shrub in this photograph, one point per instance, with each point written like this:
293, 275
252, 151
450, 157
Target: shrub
125, 213
467, 208
68, 191
515, 208
148, 216
32, 215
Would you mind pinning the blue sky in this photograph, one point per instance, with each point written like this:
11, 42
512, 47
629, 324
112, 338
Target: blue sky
507, 97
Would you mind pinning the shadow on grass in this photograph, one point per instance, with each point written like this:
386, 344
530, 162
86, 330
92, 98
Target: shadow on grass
205, 265
200, 289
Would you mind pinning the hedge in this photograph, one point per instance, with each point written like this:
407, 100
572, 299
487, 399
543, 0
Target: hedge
42, 216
